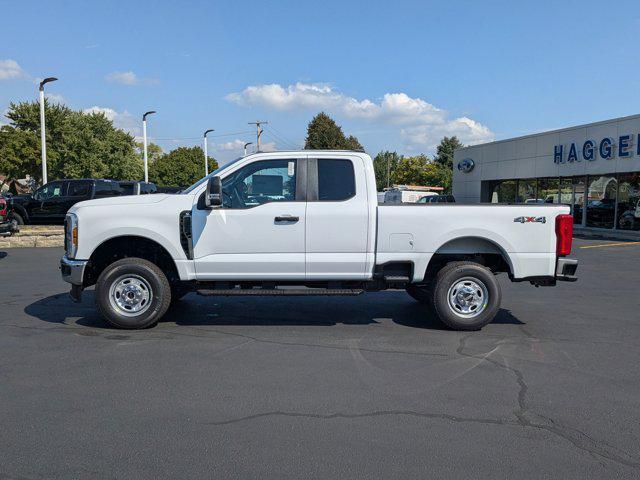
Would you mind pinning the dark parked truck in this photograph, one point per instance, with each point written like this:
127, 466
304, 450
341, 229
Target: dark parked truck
50, 203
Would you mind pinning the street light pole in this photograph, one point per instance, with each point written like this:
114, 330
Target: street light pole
144, 144
43, 136
245, 147
206, 157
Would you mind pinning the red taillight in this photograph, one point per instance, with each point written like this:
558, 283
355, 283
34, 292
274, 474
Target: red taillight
564, 235
3, 207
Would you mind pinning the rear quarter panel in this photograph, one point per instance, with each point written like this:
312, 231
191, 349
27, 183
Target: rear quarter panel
528, 247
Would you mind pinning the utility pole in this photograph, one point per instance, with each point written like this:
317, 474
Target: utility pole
245, 147
144, 144
258, 131
206, 158
43, 136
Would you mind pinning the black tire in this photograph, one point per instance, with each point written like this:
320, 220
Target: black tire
480, 288
144, 276
18, 218
420, 293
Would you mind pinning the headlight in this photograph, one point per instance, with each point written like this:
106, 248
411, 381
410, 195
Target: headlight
71, 235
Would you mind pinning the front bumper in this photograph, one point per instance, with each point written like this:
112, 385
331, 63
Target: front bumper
73, 272
566, 269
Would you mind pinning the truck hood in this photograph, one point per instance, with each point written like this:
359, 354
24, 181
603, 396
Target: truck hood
124, 200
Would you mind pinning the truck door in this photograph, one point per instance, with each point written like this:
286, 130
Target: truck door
337, 219
258, 232
77, 191
48, 200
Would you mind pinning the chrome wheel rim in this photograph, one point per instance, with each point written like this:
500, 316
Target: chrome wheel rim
468, 297
130, 295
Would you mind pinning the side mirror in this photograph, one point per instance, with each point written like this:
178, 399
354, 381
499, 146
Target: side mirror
213, 195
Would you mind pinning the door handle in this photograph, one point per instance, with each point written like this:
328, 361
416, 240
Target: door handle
287, 219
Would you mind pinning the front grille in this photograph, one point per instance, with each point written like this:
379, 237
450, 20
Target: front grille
185, 234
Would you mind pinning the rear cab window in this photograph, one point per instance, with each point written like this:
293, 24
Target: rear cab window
336, 180
79, 189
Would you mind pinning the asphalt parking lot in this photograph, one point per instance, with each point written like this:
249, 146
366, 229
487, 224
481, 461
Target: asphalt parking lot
364, 387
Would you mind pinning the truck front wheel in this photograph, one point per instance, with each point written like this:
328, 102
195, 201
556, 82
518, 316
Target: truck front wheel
132, 293
466, 296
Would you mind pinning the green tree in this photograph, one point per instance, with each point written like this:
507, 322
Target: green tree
78, 145
180, 167
153, 151
444, 154
323, 133
384, 164
419, 170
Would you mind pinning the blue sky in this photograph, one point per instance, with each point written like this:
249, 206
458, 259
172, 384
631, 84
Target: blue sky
398, 75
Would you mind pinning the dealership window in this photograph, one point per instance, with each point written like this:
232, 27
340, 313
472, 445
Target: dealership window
628, 212
504, 192
527, 191
572, 193
601, 201
548, 190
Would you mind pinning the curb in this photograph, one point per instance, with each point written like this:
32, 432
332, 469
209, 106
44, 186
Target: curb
35, 236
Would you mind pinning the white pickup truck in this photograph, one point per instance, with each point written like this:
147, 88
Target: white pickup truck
306, 223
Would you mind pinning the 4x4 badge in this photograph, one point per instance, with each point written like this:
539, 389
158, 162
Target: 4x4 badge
530, 219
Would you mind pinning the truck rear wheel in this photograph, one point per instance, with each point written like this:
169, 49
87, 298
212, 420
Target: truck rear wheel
467, 296
132, 293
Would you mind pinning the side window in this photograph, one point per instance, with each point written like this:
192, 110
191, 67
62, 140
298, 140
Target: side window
336, 180
259, 183
103, 189
79, 189
51, 190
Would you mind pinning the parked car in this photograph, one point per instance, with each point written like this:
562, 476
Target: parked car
437, 199
306, 223
406, 195
50, 203
7, 226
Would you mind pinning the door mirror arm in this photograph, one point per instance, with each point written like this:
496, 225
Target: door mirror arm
213, 194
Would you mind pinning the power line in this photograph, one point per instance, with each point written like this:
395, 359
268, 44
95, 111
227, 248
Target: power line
281, 134
282, 138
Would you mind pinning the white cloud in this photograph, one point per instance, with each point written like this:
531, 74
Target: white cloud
422, 124
233, 145
123, 120
54, 97
129, 78
11, 69
268, 146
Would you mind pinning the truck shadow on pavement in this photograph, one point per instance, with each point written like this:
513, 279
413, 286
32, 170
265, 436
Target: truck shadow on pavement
193, 310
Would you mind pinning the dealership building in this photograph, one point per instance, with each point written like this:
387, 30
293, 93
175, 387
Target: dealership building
594, 168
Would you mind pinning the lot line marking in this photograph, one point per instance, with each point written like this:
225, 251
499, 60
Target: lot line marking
612, 245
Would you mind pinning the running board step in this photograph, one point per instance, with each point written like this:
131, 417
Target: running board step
396, 279
285, 292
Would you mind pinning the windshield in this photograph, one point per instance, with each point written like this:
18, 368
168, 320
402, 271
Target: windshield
204, 179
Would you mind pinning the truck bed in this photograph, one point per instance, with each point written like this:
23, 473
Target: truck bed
416, 232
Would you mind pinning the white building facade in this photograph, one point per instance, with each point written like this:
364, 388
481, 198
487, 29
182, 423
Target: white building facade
594, 168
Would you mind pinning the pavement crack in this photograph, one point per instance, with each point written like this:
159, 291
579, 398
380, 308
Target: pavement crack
377, 413
577, 438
